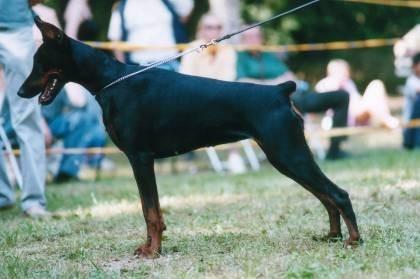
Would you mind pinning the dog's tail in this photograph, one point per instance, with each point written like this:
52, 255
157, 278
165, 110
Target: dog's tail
287, 88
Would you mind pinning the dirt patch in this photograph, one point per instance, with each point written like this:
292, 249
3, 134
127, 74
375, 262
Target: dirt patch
122, 265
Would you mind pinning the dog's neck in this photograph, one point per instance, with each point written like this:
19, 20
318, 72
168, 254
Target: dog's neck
93, 68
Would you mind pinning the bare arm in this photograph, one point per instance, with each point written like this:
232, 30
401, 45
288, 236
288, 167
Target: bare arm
119, 55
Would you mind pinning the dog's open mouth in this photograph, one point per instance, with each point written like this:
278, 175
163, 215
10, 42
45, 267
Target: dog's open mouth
51, 89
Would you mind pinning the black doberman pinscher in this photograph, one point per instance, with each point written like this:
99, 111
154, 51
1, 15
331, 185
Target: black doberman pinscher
160, 113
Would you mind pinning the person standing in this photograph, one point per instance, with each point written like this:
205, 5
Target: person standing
411, 110
404, 51
75, 13
151, 23
229, 13
16, 50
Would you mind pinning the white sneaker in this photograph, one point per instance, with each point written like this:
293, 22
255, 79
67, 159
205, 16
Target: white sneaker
37, 212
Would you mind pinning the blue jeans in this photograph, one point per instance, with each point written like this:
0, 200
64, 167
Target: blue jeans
78, 129
411, 136
16, 51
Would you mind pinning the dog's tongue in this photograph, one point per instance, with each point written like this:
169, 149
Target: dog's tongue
48, 93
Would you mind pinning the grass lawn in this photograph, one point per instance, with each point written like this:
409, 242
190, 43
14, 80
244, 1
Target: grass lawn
254, 225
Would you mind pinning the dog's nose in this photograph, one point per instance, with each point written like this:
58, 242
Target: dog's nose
21, 93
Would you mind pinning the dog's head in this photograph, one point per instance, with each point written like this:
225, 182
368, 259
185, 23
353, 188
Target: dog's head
49, 73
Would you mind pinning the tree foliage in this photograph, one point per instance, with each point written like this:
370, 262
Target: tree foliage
331, 20
336, 21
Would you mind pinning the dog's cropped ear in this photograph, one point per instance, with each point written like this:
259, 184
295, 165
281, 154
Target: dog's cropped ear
49, 32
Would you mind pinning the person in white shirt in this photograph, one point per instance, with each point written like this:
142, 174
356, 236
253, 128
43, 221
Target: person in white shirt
404, 51
76, 12
149, 23
370, 108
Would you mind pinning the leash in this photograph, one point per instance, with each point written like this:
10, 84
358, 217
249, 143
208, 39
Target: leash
206, 45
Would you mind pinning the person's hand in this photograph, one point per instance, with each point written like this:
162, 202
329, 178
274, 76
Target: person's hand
48, 137
34, 2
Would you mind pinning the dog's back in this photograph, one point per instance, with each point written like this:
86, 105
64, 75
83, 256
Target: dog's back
174, 113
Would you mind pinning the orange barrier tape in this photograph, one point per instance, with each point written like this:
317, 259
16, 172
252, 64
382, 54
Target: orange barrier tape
339, 45
396, 3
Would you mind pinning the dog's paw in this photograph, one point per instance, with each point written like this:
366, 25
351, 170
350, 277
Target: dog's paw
353, 243
147, 251
331, 237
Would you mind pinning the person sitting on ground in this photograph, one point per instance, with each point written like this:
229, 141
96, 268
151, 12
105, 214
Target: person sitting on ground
371, 108
267, 68
74, 119
411, 111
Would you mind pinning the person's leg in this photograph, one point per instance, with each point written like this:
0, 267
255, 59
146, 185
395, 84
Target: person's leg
7, 197
411, 136
338, 101
81, 133
375, 102
25, 117
95, 137
73, 136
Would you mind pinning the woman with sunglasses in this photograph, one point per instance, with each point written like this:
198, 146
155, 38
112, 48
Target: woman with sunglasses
218, 62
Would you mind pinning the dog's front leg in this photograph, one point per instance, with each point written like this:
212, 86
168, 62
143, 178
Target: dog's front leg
143, 169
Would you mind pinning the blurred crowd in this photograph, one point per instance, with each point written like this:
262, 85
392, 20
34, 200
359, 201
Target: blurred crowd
74, 119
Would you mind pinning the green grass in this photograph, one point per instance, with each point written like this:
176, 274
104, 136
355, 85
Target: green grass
254, 225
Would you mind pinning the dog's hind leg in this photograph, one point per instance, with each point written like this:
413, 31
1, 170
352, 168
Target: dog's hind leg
287, 151
143, 169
